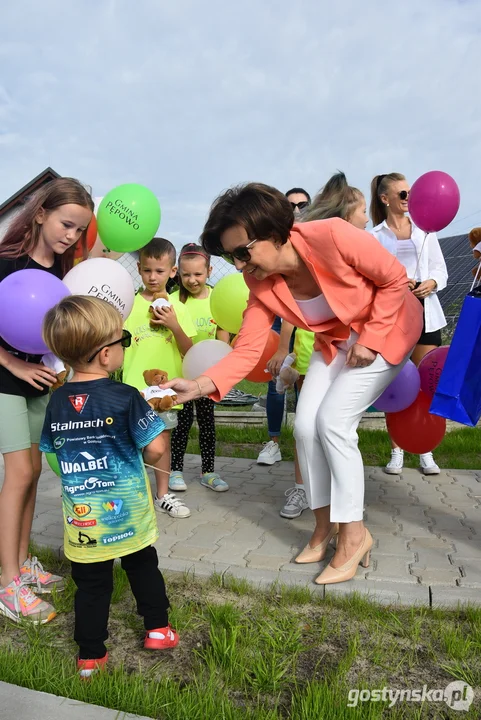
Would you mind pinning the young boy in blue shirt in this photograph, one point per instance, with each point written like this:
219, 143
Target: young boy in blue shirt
98, 429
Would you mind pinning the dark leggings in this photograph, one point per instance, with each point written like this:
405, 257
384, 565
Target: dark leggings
204, 410
94, 583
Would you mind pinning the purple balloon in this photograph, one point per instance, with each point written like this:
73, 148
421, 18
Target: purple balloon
25, 297
402, 392
434, 201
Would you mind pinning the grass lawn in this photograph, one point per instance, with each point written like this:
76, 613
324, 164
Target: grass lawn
459, 449
246, 654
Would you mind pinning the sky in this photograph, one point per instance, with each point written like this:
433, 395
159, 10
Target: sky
189, 98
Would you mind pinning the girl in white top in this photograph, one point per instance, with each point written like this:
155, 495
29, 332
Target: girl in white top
426, 269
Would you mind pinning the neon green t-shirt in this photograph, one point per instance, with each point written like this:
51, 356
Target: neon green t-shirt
153, 347
199, 311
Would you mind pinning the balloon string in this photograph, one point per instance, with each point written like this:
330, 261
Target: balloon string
156, 468
419, 256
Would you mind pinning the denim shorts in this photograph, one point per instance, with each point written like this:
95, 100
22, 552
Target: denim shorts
170, 418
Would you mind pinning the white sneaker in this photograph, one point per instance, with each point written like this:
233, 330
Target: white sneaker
395, 465
296, 503
172, 506
428, 466
270, 454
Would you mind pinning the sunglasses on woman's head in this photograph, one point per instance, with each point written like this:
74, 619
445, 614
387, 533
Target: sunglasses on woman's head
404, 194
301, 205
125, 341
239, 253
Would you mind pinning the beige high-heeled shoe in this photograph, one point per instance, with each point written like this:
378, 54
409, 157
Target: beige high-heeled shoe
347, 571
316, 554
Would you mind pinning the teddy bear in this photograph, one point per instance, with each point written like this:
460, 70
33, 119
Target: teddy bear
287, 375
159, 299
474, 238
159, 400
52, 362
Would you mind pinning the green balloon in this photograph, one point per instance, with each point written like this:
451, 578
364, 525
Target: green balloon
51, 458
228, 301
372, 409
128, 217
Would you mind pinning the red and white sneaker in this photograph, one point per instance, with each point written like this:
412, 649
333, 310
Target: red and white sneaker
43, 581
18, 602
87, 668
161, 638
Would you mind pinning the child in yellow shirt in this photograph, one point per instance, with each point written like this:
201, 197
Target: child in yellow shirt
194, 294
159, 341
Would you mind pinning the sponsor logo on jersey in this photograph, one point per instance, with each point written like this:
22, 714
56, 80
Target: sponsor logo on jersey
93, 484
78, 402
84, 462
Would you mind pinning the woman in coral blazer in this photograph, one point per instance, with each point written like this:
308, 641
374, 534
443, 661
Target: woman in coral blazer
339, 282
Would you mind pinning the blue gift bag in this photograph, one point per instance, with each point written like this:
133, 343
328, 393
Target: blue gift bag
458, 395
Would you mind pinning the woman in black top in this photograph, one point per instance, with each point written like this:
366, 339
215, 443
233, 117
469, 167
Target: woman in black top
43, 236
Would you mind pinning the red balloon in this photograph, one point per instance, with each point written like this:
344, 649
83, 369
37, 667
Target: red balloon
258, 374
415, 430
91, 238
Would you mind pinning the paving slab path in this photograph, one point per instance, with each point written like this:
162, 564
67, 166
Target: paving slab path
427, 532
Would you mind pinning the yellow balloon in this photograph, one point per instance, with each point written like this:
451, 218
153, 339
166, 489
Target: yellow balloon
228, 301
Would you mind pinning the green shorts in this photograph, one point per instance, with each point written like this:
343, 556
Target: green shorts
170, 418
21, 421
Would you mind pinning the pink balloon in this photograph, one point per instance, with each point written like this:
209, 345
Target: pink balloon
430, 369
434, 201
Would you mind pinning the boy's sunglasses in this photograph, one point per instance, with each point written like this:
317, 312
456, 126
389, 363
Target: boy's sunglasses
404, 194
125, 341
239, 253
301, 205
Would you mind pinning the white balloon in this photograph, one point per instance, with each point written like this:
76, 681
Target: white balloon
203, 356
105, 279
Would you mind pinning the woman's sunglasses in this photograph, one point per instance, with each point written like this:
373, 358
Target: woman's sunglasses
239, 253
404, 194
125, 341
301, 205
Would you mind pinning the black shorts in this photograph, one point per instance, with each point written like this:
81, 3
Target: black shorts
429, 338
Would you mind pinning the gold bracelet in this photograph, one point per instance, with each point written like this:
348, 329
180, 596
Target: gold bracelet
200, 389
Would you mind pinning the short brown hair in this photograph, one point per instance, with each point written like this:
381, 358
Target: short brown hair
157, 248
78, 326
261, 210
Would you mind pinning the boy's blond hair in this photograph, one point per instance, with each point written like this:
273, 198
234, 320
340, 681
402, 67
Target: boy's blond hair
78, 326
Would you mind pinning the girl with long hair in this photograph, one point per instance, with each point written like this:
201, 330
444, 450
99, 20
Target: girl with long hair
194, 272
43, 236
423, 259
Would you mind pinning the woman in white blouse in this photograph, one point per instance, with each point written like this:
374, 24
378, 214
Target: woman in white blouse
426, 269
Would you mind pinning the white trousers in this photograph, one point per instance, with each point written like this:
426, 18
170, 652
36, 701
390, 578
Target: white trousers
331, 403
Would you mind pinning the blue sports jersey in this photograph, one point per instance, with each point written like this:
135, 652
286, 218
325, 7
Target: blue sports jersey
96, 429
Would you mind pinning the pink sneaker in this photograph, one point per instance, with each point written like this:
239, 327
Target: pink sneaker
43, 581
18, 602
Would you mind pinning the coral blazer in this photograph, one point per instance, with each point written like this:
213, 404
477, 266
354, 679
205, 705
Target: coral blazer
365, 286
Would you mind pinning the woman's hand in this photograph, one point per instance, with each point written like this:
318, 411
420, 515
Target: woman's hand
185, 389
35, 374
424, 289
412, 284
360, 356
274, 364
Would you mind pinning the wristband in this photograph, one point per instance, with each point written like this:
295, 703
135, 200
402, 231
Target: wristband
200, 389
